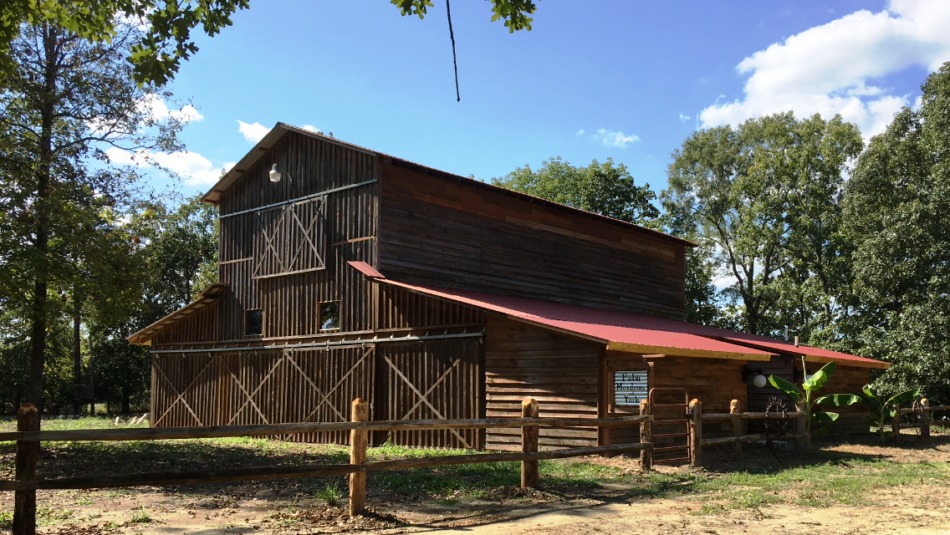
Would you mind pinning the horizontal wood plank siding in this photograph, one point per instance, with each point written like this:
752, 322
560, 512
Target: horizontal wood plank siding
440, 233
560, 372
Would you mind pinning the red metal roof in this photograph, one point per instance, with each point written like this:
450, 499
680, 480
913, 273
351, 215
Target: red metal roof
639, 333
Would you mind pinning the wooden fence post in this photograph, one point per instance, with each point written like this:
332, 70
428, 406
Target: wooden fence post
925, 419
696, 433
896, 424
736, 426
27, 453
646, 435
358, 443
529, 444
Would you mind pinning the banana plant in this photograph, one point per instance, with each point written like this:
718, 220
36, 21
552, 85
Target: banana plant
810, 385
879, 409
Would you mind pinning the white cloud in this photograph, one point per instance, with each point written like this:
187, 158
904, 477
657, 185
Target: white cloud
193, 167
614, 139
253, 132
311, 128
683, 118
831, 69
579, 133
158, 109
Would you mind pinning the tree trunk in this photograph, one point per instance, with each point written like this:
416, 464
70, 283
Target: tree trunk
77, 352
41, 209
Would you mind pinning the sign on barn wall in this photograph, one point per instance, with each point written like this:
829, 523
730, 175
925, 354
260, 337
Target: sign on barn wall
290, 239
630, 387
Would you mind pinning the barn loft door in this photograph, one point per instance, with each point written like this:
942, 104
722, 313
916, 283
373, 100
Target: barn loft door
290, 239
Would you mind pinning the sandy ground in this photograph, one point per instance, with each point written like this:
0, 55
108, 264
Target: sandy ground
281, 508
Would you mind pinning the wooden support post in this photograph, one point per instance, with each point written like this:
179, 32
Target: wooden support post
358, 442
646, 435
801, 425
695, 433
925, 419
529, 444
27, 453
896, 424
736, 426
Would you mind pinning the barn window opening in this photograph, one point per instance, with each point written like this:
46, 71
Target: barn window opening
329, 315
253, 322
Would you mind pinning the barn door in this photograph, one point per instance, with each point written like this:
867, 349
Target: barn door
435, 380
290, 239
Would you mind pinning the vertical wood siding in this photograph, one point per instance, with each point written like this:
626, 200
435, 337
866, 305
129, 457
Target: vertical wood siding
290, 303
560, 372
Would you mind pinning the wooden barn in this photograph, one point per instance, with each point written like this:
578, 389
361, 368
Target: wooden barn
346, 273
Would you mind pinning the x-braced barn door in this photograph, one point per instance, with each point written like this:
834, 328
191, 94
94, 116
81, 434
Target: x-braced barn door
434, 380
290, 239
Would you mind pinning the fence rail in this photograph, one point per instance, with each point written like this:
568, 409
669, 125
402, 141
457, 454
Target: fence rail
28, 438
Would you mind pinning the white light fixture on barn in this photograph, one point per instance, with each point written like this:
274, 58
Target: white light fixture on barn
759, 381
274, 174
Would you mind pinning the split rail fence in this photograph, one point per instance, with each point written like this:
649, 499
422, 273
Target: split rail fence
924, 413
28, 438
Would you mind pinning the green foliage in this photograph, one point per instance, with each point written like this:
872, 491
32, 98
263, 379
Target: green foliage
896, 206
601, 188
762, 200
513, 12
156, 53
880, 409
330, 494
810, 385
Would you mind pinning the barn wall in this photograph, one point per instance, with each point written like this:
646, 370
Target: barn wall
435, 231
560, 372
347, 223
715, 382
202, 326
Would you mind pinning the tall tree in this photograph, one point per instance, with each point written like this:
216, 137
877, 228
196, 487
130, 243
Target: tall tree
601, 188
896, 205
761, 195
67, 99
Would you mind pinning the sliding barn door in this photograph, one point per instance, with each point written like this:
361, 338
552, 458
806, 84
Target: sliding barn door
435, 380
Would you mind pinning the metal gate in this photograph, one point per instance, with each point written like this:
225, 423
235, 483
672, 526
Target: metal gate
670, 426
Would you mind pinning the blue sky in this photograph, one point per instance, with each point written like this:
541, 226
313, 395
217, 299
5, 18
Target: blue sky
592, 80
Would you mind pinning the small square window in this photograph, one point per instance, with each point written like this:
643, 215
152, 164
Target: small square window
329, 315
253, 322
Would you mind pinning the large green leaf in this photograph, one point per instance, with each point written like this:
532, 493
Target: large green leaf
826, 417
820, 377
790, 390
839, 400
904, 399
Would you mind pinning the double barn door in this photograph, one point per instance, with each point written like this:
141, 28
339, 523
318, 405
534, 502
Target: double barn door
407, 381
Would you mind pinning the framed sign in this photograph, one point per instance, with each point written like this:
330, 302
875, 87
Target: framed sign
630, 386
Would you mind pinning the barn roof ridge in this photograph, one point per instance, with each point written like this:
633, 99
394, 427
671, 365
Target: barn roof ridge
280, 129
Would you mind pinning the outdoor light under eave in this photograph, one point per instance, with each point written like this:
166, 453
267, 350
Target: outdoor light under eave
759, 381
274, 174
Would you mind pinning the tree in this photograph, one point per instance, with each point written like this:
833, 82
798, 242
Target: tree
763, 197
177, 256
66, 100
895, 212
600, 188
166, 41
